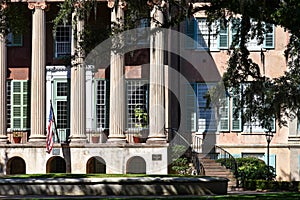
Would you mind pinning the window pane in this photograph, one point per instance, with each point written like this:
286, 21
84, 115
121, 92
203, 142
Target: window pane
62, 89
17, 111
17, 99
101, 105
17, 86
61, 117
136, 98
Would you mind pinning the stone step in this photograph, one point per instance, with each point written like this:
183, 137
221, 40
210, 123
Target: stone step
212, 168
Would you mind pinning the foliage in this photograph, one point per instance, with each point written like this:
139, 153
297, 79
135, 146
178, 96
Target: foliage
250, 169
254, 169
265, 97
12, 22
272, 185
141, 116
180, 163
17, 134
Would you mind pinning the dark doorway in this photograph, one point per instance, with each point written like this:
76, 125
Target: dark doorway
16, 165
96, 165
56, 165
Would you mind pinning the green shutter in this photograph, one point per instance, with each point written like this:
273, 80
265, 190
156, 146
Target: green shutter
224, 116
191, 25
272, 160
269, 37
19, 101
236, 119
223, 36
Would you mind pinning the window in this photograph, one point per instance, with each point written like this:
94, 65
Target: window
19, 101
61, 90
141, 33
137, 97
238, 125
218, 36
102, 103
63, 41
14, 40
252, 44
204, 37
203, 118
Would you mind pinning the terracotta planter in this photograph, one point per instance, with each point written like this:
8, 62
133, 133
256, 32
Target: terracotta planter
95, 139
136, 139
17, 139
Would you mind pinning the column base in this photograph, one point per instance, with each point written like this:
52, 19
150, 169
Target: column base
116, 139
78, 139
37, 138
3, 139
157, 140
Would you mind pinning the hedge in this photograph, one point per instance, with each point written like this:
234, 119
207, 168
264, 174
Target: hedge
272, 185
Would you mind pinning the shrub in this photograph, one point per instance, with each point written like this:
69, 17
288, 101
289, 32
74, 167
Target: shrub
251, 168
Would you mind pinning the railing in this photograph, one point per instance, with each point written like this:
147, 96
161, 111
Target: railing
197, 143
227, 160
198, 165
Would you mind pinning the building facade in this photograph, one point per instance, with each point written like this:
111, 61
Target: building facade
96, 106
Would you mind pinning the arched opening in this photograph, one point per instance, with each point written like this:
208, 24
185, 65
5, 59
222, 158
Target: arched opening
95, 165
16, 165
136, 165
56, 164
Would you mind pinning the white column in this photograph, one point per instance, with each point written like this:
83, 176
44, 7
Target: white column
3, 65
117, 83
78, 109
156, 101
38, 59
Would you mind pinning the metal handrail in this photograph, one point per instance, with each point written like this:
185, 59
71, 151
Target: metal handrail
229, 161
196, 162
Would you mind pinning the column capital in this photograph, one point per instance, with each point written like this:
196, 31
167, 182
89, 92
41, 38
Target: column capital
121, 4
34, 5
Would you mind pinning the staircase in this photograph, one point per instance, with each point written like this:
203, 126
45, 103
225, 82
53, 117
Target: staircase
207, 165
212, 168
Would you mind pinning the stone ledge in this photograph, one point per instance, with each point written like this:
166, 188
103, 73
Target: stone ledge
114, 186
87, 145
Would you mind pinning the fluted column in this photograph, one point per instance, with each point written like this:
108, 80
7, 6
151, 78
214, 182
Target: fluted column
38, 59
3, 65
156, 99
117, 82
78, 107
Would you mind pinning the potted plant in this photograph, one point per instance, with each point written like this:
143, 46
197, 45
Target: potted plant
136, 137
17, 136
142, 121
95, 138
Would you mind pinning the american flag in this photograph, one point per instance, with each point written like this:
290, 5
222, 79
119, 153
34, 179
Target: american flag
50, 134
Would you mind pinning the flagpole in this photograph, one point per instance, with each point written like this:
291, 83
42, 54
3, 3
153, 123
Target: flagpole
54, 121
